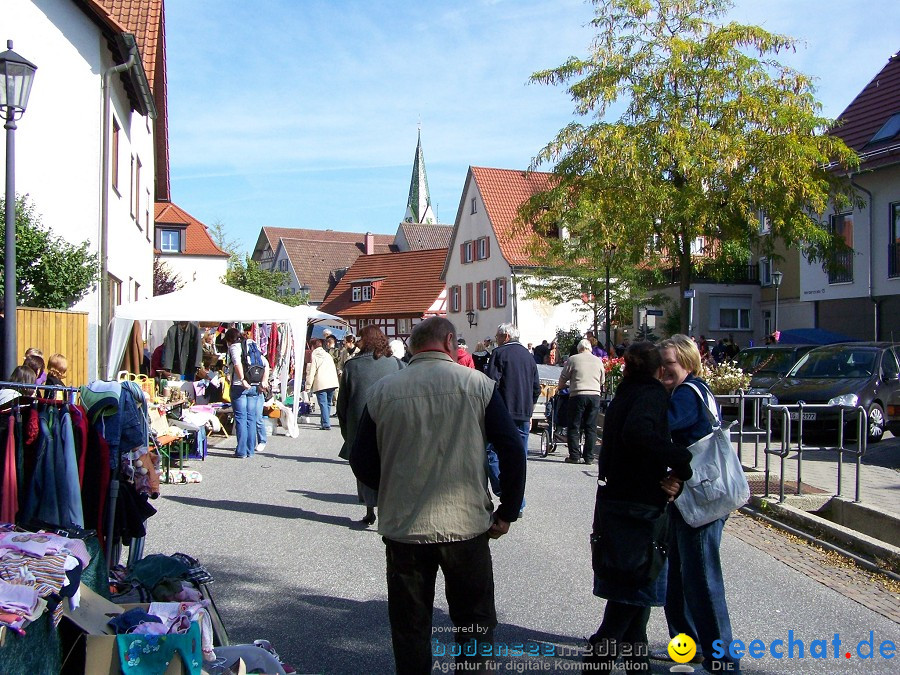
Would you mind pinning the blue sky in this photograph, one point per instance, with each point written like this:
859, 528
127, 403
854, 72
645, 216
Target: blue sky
304, 113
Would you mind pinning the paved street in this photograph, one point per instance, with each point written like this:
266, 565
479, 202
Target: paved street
278, 533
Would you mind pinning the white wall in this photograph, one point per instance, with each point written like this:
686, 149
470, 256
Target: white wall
197, 267
58, 142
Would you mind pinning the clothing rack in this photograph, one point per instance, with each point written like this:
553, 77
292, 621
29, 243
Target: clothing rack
72, 391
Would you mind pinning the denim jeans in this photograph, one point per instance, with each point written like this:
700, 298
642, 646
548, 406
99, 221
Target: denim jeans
261, 435
583, 411
492, 463
469, 585
695, 599
324, 398
244, 402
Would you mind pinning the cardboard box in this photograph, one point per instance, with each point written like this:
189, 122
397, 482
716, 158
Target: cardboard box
101, 654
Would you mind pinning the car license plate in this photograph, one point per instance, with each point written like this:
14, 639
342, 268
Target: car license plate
807, 416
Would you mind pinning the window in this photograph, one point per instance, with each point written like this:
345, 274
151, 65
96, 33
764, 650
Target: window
368, 292
474, 206
147, 213
404, 326
889, 130
765, 272
483, 248
841, 265
765, 225
734, 318
170, 241
889, 366
283, 264
894, 243
500, 292
115, 156
484, 295
137, 191
137, 291
131, 183
465, 252
698, 245
357, 294
115, 292
768, 326
455, 299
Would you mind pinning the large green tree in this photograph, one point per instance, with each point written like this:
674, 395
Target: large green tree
711, 129
247, 275
51, 273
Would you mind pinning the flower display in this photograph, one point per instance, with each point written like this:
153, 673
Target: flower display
725, 378
614, 368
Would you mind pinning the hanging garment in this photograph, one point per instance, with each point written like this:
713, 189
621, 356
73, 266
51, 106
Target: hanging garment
80, 429
10, 488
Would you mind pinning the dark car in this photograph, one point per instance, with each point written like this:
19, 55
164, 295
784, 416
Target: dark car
849, 374
769, 364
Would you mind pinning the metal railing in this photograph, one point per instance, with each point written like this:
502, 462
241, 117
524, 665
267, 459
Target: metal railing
841, 271
786, 412
894, 260
749, 424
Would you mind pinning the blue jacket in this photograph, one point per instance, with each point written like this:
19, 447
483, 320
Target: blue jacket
513, 368
688, 420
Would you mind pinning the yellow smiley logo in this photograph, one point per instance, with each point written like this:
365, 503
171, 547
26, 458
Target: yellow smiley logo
682, 648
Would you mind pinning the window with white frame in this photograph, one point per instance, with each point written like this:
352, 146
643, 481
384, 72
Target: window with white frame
467, 252
404, 326
283, 264
730, 312
484, 297
357, 293
765, 225
698, 245
765, 272
481, 248
455, 298
474, 205
170, 241
500, 292
368, 293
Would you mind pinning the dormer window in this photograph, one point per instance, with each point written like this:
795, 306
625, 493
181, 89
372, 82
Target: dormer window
367, 293
889, 130
357, 293
363, 290
170, 241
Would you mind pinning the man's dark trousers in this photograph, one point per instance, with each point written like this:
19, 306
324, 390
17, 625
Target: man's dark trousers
583, 411
469, 584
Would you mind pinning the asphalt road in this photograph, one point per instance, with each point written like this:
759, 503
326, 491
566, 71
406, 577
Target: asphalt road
279, 534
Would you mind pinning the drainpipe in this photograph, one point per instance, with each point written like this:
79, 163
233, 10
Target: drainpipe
871, 253
515, 299
103, 347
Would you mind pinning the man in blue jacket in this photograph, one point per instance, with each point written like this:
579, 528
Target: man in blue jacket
514, 369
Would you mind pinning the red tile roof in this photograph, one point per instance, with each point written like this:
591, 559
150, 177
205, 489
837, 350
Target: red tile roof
197, 240
867, 113
273, 234
412, 283
420, 236
503, 192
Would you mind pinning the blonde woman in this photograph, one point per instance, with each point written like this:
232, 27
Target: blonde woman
695, 597
56, 373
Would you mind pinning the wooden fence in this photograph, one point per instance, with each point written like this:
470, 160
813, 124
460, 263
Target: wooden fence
56, 332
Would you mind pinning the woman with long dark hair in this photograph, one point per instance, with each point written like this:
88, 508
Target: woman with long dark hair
373, 362
635, 458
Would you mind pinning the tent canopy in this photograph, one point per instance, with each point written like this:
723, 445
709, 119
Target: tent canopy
213, 302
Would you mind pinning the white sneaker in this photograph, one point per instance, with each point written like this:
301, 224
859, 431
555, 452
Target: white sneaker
260, 447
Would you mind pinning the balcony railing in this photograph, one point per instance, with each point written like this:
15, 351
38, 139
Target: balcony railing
715, 274
841, 271
894, 260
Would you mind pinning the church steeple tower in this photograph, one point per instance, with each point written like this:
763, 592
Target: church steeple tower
418, 206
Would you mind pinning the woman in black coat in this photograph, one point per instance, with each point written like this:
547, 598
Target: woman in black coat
640, 465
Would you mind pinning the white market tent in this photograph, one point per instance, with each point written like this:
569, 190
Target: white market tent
210, 301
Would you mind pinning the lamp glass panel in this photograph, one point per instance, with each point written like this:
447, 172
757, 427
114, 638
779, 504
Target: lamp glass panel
17, 80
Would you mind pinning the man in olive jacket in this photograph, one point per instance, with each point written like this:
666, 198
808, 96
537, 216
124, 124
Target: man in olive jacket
421, 444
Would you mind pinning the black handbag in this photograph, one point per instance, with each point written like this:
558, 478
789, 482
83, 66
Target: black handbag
628, 545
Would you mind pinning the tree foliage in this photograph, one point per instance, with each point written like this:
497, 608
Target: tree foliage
165, 280
248, 275
223, 241
713, 128
51, 273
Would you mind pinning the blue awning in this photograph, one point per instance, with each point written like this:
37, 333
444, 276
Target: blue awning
812, 336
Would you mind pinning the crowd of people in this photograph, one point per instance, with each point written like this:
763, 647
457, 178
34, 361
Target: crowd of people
34, 370
427, 438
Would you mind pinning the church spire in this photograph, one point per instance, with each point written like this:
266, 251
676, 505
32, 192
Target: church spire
418, 206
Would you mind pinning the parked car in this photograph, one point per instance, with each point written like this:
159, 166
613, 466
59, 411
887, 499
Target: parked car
847, 374
769, 364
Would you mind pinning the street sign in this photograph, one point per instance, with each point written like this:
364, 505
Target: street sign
654, 312
689, 293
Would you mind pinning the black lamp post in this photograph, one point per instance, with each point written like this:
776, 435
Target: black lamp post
776, 282
470, 317
16, 76
608, 254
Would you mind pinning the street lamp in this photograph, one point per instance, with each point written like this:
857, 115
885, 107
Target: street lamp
470, 317
608, 252
16, 75
776, 282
